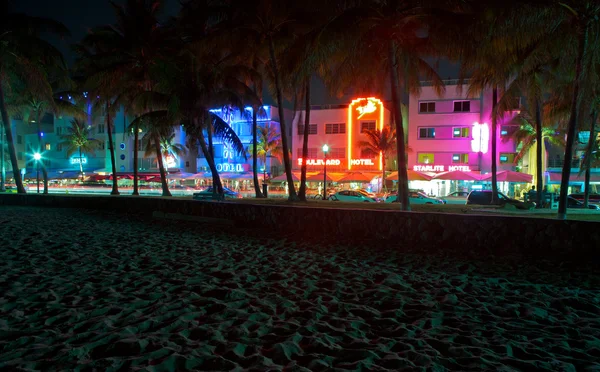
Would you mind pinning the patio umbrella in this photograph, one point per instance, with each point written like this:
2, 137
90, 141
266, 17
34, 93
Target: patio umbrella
412, 176
180, 176
356, 177
319, 178
283, 178
457, 176
510, 176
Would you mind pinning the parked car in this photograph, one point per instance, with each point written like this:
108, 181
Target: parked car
416, 197
353, 196
594, 198
574, 203
457, 197
484, 197
208, 194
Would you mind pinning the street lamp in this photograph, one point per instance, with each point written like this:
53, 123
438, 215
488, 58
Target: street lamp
37, 156
325, 150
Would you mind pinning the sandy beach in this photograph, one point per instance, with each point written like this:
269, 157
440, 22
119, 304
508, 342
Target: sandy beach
83, 290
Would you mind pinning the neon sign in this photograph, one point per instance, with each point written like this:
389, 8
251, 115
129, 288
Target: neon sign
230, 167
362, 162
481, 138
369, 108
320, 161
441, 168
227, 151
363, 106
82, 160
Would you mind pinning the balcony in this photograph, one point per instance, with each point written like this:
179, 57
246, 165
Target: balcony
558, 163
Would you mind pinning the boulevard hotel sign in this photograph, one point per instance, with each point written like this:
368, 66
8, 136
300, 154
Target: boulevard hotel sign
360, 110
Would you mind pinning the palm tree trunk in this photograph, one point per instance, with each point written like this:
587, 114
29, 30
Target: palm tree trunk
573, 119
111, 148
538, 155
209, 131
257, 192
284, 139
400, 144
136, 138
41, 146
81, 163
494, 145
161, 167
217, 186
588, 159
302, 193
383, 172
11, 144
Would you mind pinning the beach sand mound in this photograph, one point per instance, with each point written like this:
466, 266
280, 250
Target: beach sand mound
81, 289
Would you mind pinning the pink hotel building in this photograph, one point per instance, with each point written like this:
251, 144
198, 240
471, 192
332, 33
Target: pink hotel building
451, 132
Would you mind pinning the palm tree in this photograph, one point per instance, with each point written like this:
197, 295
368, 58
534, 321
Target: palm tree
386, 39
170, 148
270, 26
379, 142
527, 138
118, 59
78, 139
268, 144
23, 55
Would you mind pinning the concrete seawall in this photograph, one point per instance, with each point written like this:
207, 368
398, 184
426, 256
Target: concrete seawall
488, 235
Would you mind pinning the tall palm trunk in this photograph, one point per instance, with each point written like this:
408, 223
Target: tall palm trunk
538, 154
588, 159
284, 139
494, 136
257, 192
41, 146
111, 148
573, 119
161, 167
302, 192
383, 173
9, 140
136, 138
209, 132
81, 163
400, 144
217, 186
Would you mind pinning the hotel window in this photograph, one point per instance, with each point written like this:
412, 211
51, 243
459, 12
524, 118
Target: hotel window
335, 128
100, 128
462, 106
461, 132
313, 153
460, 158
337, 153
59, 130
426, 132
187, 164
367, 154
312, 129
425, 158
20, 139
47, 163
508, 130
59, 147
48, 147
507, 158
141, 148
426, 107
20, 156
102, 145
367, 125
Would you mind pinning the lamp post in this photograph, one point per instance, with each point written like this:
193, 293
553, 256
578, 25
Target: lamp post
325, 150
37, 156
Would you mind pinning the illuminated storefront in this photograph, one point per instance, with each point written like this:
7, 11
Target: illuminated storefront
341, 127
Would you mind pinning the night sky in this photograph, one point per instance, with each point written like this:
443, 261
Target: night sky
81, 15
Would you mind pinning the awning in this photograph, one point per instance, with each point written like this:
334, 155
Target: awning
458, 176
575, 177
510, 176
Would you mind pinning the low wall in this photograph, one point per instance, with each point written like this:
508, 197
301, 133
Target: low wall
487, 235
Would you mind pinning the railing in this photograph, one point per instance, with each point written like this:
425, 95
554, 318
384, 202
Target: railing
328, 107
558, 163
428, 83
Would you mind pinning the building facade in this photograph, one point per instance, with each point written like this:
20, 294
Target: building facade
341, 128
